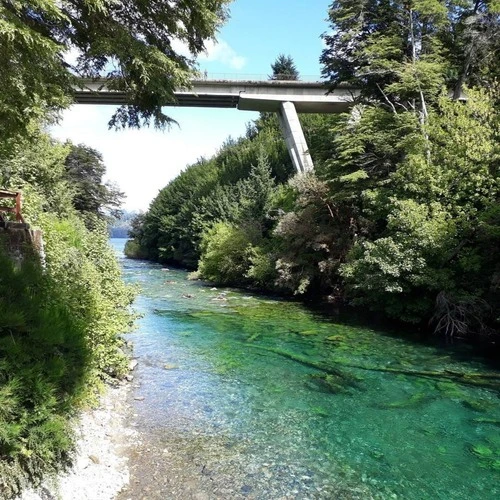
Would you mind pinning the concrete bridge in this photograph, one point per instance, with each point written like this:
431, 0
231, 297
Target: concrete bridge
285, 97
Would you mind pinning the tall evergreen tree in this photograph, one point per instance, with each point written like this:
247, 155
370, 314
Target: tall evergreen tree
85, 170
400, 51
284, 69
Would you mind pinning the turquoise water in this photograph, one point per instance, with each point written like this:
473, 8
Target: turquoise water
228, 386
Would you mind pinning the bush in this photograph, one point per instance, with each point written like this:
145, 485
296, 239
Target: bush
133, 250
225, 254
59, 339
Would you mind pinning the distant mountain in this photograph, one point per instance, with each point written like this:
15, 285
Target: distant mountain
119, 227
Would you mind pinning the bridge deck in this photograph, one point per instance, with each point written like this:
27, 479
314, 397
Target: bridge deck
308, 97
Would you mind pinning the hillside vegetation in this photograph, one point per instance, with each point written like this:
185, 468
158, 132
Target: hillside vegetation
401, 213
60, 317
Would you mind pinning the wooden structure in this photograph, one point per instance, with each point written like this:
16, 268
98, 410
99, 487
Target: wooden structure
15, 209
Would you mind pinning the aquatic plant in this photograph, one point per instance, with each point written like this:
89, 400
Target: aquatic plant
331, 383
483, 420
416, 400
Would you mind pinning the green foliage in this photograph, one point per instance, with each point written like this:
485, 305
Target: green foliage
132, 45
225, 254
284, 69
401, 51
232, 251
86, 271
224, 188
133, 250
35, 165
59, 322
431, 203
42, 372
84, 171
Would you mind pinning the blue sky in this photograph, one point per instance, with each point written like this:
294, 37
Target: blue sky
142, 161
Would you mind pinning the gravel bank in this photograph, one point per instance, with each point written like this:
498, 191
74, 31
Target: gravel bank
100, 469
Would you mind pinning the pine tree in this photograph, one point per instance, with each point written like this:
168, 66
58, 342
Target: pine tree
284, 69
402, 52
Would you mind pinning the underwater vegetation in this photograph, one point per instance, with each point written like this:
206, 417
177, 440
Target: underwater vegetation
398, 417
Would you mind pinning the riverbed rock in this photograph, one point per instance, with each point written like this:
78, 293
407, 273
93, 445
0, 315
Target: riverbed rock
100, 469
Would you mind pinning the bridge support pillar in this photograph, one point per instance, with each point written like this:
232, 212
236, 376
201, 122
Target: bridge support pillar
294, 137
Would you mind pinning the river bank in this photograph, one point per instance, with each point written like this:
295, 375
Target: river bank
100, 469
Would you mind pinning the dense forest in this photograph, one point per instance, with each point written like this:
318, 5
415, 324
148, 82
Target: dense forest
62, 311
401, 213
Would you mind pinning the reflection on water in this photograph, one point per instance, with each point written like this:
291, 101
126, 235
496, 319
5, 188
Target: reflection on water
249, 397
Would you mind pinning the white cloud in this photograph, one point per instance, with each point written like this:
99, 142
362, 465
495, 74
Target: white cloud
181, 47
71, 55
222, 52
216, 51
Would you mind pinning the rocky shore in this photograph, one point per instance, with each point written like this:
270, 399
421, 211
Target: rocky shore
100, 468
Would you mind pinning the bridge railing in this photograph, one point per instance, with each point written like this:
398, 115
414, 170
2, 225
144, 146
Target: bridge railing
254, 77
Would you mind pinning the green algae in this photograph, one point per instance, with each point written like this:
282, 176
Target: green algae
489, 458
335, 338
491, 421
482, 451
479, 405
413, 401
450, 390
320, 411
222, 367
331, 383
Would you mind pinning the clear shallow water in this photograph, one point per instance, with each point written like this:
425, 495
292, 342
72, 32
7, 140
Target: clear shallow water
232, 408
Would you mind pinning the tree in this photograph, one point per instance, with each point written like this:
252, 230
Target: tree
132, 44
428, 247
284, 69
402, 51
85, 170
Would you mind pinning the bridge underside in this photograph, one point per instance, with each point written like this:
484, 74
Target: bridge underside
287, 98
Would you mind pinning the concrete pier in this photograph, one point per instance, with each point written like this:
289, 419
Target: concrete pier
294, 138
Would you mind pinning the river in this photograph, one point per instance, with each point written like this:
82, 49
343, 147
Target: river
228, 405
